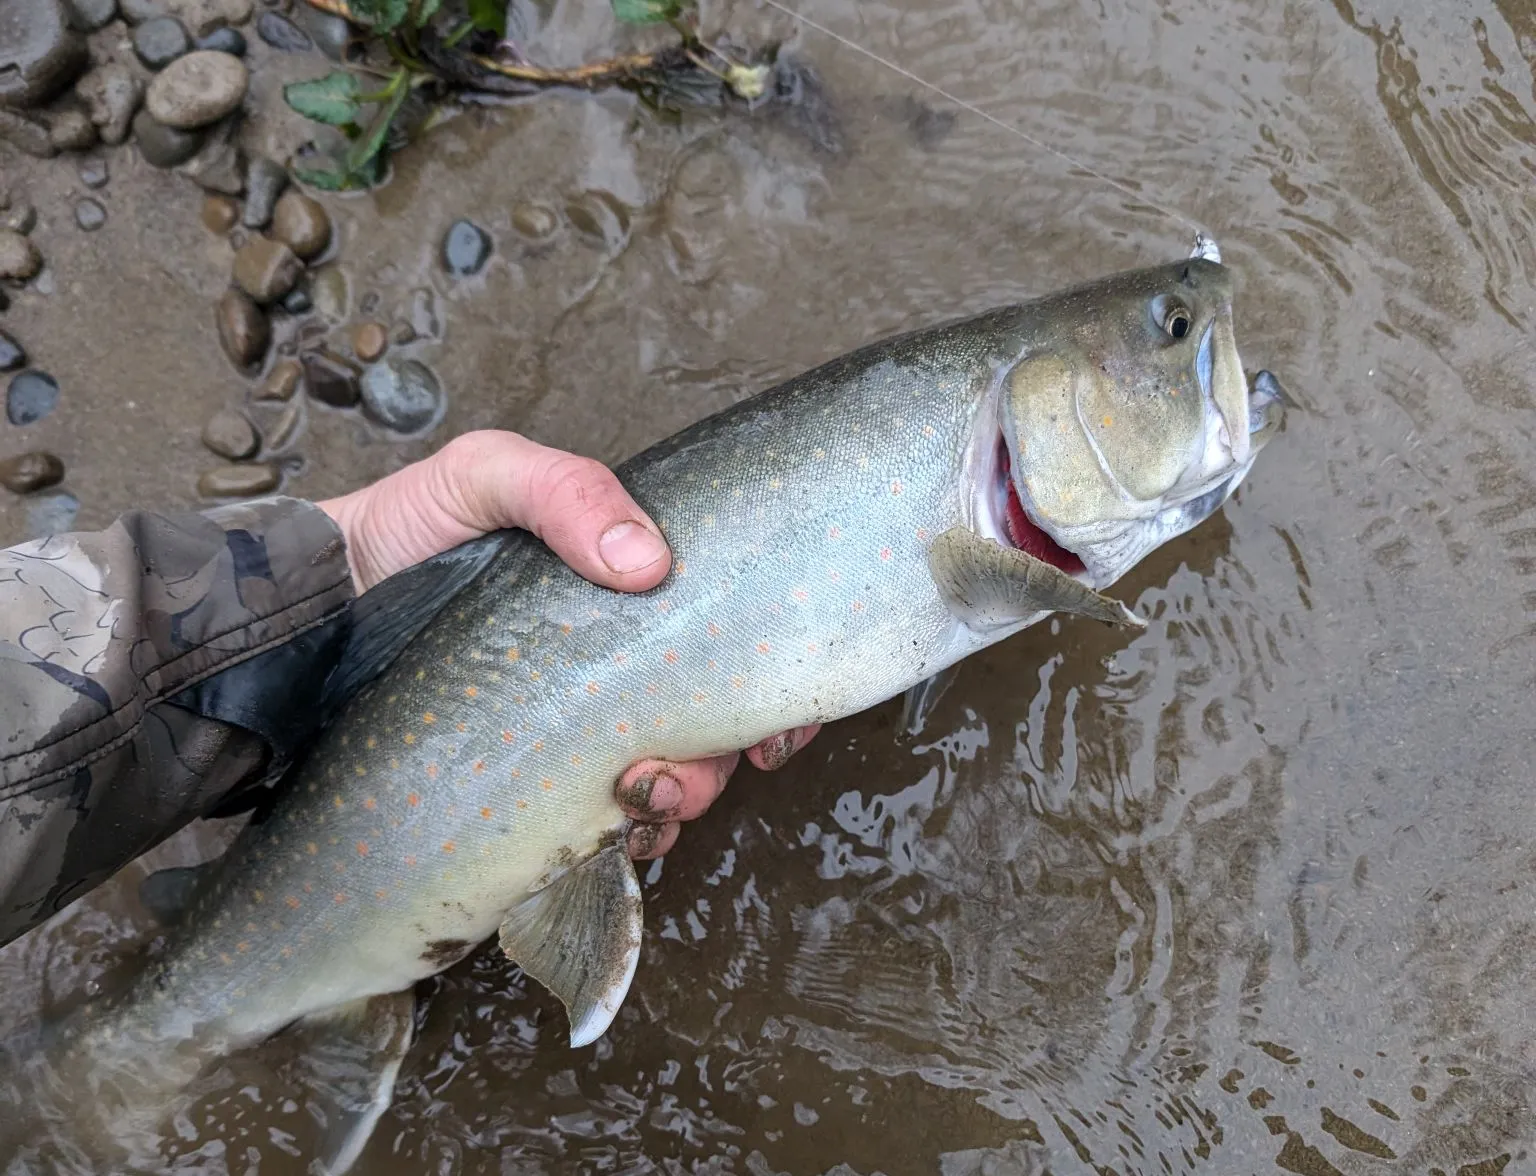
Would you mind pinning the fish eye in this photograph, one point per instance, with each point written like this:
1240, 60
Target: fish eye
1173, 318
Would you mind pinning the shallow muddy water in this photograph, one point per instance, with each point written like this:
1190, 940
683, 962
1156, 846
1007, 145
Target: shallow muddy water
1248, 891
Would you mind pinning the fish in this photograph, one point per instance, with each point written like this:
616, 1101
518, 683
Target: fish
847, 536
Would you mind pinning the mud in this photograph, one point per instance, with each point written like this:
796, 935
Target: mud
1247, 892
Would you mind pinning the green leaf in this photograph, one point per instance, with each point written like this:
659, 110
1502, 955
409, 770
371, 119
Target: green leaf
364, 150
426, 12
331, 99
646, 11
325, 178
384, 15
490, 15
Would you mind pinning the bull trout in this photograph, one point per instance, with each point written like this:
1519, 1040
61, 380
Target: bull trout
837, 540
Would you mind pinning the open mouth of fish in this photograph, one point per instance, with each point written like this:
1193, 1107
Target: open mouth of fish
1014, 522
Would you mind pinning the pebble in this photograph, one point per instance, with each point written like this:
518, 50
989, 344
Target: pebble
266, 269
72, 130
265, 180
40, 54
329, 290
329, 32
281, 33
204, 16
138, 11
90, 215
19, 258
90, 15
402, 396
537, 221
219, 213
53, 514
369, 341
331, 379
111, 94
197, 90
302, 223
21, 219
298, 301
286, 427
161, 41
27, 472
94, 173
244, 330
403, 333
224, 40
163, 146
601, 216
12, 356
31, 396
219, 164
424, 313
281, 382
230, 435
239, 481
26, 133
466, 246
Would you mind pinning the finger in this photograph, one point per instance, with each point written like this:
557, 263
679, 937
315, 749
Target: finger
576, 505
774, 752
659, 790
651, 841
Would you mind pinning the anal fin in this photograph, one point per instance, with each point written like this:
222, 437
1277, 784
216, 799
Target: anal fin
580, 938
350, 1064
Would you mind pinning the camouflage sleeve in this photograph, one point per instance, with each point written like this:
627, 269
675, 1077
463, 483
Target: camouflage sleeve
151, 673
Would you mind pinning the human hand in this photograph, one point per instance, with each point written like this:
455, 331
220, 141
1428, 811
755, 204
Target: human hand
487, 480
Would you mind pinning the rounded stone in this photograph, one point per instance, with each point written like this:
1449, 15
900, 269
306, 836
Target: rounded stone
72, 130
163, 146
230, 435
536, 221
32, 395
244, 331
51, 514
138, 11
281, 433
161, 41
466, 248
298, 301
21, 219
197, 90
266, 269
302, 223
12, 357
93, 172
281, 33
281, 382
403, 396
239, 481
40, 53
264, 181
225, 40
331, 379
369, 341
219, 213
19, 258
330, 290
111, 94
90, 215
90, 15
27, 472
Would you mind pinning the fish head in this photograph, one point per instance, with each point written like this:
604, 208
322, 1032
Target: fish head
1129, 419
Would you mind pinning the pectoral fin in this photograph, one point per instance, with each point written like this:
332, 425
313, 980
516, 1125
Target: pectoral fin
987, 585
167, 894
580, 938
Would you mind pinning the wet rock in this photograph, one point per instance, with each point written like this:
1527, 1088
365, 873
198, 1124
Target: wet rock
204, 16
111, 95
302, 223
89, 15
40, 54
331, 379
265, 180
466, 248
72, 130
26, 133
282, 432
298, 301
163, 146
329, 33
197, 90
19, 258
219, 165
161, 41
219, 214
53, 514
266, 269
281, 382
12, 356
138, 11
402, 334
281, 33
401, 395
244, 330
90, 215
230, 435
94, 173
32, 395
329, 289
27, 472
601, 216
535, 221
21, 219
369, 341
224, 40
239, 481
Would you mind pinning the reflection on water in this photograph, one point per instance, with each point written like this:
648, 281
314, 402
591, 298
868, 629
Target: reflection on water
1249, 891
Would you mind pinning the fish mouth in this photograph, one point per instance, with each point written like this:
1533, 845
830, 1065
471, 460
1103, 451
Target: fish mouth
1013, 522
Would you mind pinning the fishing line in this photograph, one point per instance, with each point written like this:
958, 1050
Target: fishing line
1125, 189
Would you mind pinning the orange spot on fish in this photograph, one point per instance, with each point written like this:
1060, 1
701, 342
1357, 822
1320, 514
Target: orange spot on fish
738, 681
372, 743
698, 698
479, 767
413, 800
381, 895
370, 804
362, 849
565, 628
522, 804
242, 946
834, 532
763, 647
800, 594
409, 738
885, 553
485, 814
293, 903
226, 958
896, 487
546, 784
429, 718
360, 770
470, 691
858, 606
811, 648
576, 760
619, 659
308, 888
461, 727
312, 849
670, 657
449, 847
623, 728
922, 534
712, 629
507, 736
432, 771
592, 687
538, 745
338, 898
660, 722
410, 859
285, 952
513, 654
1109, 422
